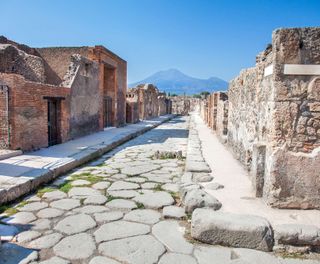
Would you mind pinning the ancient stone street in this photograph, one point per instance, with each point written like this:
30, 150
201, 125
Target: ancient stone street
124, 207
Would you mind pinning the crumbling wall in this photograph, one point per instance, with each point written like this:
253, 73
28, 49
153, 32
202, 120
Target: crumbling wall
149, 103
14, 60
274, 120
132, 114
4, 116
83, 80
162, 104
180, 105
292, 168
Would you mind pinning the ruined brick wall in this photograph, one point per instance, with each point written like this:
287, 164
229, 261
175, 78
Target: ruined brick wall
4, 116
180, 105
14, 60
57, 60
148, 101
132, 115
273, 124
83, 80
28, 112
162, 105
109, 60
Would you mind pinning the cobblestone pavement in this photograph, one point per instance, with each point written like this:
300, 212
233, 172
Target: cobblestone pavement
122, 208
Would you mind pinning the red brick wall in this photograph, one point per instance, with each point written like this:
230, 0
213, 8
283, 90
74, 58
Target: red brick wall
4, 129
28, 112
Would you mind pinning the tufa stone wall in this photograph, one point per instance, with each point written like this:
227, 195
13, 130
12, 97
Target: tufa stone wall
272, 119
181, 105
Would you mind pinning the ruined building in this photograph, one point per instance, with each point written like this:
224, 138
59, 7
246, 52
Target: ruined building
180, 105
51, 95
145, 102
273, 119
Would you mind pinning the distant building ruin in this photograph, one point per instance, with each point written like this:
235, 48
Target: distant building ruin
270, 118
145, 102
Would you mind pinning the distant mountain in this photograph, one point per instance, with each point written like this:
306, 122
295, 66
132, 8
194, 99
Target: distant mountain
173, 81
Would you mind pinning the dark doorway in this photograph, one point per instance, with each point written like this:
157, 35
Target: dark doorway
108, 111
53, 125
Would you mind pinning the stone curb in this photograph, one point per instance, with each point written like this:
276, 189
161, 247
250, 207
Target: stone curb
196, 170
283, 237
29, 181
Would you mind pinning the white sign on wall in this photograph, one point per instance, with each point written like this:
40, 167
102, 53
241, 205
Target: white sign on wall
268, 70
301, 69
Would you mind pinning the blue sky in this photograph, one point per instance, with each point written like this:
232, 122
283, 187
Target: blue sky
202, 38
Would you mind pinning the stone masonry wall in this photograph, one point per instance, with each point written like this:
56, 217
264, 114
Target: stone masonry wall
272, 119
274, 114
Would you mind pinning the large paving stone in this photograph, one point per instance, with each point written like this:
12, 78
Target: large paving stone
12, 254
108, 216
103, 260
214, 186
80, 183
127, 194
49, 213
91, 209
76, 247
120, 229
174, 212
21, 218
198, 199
145, 216
175, 258
136, 179
27, 236
137, 170
83, 192
101, 185
202, 177
47, 241
297, 234
65, 204
95, 200
31, 207
171, 187
41, 224
54, 195
55, 260
197, 166
154, 200
205, 255
255, 256
134, 250
121, 204
122, 185
171, 234
227, 229
75, 224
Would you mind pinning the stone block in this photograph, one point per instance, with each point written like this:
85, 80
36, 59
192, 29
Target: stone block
198, 199
227, 229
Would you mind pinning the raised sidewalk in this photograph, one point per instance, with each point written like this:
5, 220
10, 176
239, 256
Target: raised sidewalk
21, 174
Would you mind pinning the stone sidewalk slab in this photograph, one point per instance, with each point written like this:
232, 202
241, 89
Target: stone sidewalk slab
21, 174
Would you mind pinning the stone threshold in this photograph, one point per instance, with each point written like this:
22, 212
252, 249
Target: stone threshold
14, 184
211, 226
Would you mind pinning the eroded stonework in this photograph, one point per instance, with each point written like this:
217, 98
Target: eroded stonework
273, 120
